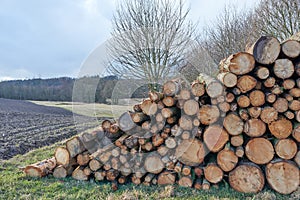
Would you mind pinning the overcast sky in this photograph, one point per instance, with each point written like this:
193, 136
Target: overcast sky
51, 38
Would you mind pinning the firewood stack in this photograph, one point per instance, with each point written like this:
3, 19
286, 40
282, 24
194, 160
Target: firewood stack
241, 127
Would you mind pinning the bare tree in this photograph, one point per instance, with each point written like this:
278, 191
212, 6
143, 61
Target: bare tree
229, 33
279, 18
149, 38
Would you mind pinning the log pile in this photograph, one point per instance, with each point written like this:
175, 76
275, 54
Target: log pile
241, 127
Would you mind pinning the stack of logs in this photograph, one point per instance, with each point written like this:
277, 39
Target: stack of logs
241, 127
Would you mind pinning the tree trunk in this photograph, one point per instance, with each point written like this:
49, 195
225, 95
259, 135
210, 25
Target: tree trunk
239, 64
265, 50
259, 150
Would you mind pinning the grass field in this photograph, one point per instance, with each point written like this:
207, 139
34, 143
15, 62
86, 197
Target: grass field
15, 185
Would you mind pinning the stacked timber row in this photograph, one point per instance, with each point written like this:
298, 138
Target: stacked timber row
241, 127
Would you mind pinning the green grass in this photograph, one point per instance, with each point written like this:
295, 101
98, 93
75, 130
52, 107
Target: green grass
15, 185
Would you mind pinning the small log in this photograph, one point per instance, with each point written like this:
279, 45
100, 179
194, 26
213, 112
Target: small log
257, 98
157, 140
259, 150
268, 115
247, 178
205, 185
233, 124
95, 165
185, 122
255, 128
243, 101
83, 158
237, 140
291, 48
240, 152
169, 112
281, 105
198, 184
213, 173
213, 87
198, 89
191, 107
208, 114
265, 50
228, 79
153, 164
185, 94
170, 143
112, 174
254, 112
269, 82
246, 83
229, 97
62, 172
169, 101
166, 178
227, 160
295, 92
243, 113
87, 171
40, 169
186, 170
149, 177
191, 152
75, 146
106, 124
262, 72
283, 176
139, 117
281, 128
224, 107
185, 181
286, 148
283, 68
271, 98
294, 105
178, 167
155, 96
288, 84
289, 115
78, 174
215, 137
171, 88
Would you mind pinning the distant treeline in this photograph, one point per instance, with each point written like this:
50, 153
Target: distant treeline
88, 89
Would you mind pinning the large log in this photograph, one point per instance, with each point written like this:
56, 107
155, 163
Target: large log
215, 137
247, 178
166, 178
40, 169
191, 107
257, 98
153, 164
268, 115
283, 176
281, 128
255, 127
259, 150
239, 64
214, 88
125, 122
75, 146
191, 152
246, 83
291, 48
265, 50
286, 148
62, 156
148, 107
